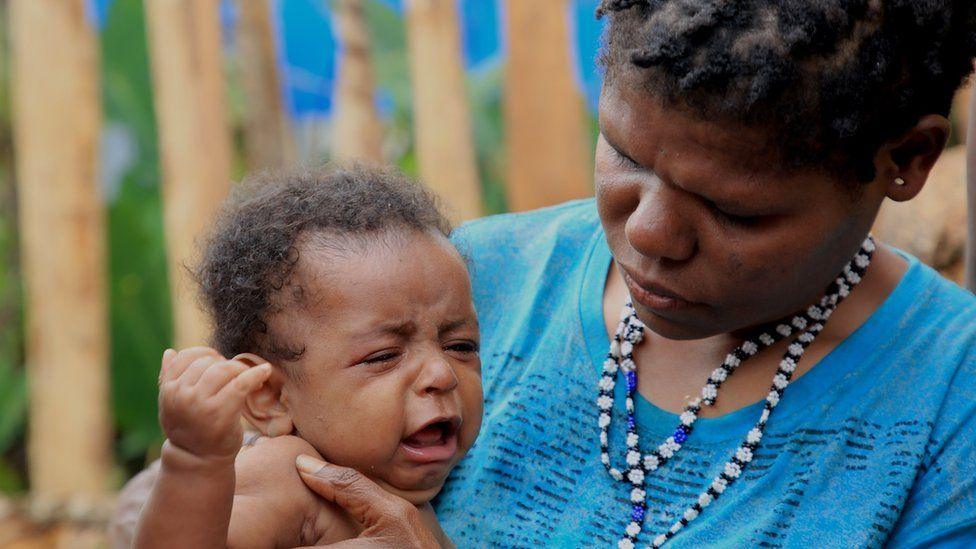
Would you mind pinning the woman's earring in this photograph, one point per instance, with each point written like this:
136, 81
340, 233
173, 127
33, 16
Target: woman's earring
900, 181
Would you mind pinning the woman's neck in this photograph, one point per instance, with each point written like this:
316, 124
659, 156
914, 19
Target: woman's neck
671, 372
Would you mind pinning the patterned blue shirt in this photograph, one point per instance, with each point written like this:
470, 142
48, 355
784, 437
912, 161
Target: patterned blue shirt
876, 444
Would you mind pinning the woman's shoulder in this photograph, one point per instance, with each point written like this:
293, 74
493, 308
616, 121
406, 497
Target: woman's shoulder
934, 346
528, 255
935, 313
562, 224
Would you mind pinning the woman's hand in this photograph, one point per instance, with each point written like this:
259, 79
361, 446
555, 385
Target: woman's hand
387, 520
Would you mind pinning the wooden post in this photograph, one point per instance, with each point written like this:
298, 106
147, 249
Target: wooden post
268, 138
57, 123
188, 86
357, 133
442, 122
548, 150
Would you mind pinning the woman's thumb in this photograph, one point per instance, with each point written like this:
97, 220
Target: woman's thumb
362, 498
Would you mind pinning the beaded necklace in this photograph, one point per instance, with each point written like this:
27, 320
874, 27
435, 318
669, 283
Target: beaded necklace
805, 326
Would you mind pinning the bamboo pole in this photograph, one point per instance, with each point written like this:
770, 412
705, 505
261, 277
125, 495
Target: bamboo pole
442, 122
184, 46
268, 138
357, 133
57, 120
548, 149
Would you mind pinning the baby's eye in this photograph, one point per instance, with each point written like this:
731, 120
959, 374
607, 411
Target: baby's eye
463, 347
380, 358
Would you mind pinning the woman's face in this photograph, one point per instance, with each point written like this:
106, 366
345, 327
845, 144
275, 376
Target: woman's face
710, 234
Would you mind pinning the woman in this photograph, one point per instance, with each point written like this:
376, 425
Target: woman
745, 150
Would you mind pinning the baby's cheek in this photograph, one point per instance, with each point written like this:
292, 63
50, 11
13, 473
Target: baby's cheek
359, 428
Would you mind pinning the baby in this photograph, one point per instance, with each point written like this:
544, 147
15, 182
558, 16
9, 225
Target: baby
353, 337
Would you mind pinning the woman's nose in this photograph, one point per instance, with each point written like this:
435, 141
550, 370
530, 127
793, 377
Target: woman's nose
658, 229
437, 376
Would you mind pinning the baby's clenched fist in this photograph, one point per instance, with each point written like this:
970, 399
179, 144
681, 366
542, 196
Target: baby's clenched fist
201, 396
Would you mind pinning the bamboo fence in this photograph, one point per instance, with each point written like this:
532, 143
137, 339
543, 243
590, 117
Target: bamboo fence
57, 126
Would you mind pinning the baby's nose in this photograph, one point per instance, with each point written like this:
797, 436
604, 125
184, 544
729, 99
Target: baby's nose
437, 377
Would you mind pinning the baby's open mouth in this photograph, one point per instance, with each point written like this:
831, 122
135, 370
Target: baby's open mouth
435, 441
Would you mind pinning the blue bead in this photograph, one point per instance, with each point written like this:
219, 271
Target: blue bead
631, 381
638, 513
631, 422
680, 435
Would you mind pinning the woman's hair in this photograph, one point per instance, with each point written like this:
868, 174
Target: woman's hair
271, 219
833, 79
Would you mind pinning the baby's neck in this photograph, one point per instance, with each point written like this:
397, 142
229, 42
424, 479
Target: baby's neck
431, 522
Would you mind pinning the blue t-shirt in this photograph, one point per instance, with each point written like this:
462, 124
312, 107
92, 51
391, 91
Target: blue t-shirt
876, 444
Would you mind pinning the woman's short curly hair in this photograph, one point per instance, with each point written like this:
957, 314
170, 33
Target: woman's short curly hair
834, 79
258, 239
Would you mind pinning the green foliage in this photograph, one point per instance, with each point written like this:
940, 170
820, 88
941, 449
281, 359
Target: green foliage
13, 383
138, 290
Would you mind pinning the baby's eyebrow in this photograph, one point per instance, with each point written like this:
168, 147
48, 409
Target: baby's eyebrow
395, 328
455, 324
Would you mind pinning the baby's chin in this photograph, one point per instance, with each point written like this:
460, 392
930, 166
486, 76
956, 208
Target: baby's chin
414, 486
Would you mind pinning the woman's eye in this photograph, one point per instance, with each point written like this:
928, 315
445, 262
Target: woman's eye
734, 219
740, 219
624, 161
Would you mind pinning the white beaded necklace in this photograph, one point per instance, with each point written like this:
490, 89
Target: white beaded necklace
630, 332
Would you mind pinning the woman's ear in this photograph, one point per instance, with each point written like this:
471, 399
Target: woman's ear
904, 164
264, 408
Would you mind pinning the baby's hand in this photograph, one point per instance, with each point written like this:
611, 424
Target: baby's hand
201, 395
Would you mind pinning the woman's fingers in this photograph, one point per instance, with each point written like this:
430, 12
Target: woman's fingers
387, 520
362, 498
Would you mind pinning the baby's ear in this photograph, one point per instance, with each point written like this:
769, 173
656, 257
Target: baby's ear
264, 408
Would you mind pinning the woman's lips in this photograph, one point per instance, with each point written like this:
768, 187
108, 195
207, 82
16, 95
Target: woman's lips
653, 296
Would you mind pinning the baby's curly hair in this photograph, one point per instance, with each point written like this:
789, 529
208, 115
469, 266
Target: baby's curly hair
257, 240
833, 79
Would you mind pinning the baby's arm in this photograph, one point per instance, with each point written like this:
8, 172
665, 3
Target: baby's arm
270, 492
200, 399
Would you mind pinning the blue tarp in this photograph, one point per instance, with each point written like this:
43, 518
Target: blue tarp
308, 45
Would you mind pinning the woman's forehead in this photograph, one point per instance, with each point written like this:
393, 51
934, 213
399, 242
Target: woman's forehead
721, 163
634, 118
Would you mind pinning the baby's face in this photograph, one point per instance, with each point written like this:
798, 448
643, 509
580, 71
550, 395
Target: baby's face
389, 382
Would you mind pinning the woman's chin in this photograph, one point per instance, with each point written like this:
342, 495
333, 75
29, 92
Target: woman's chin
675, 327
